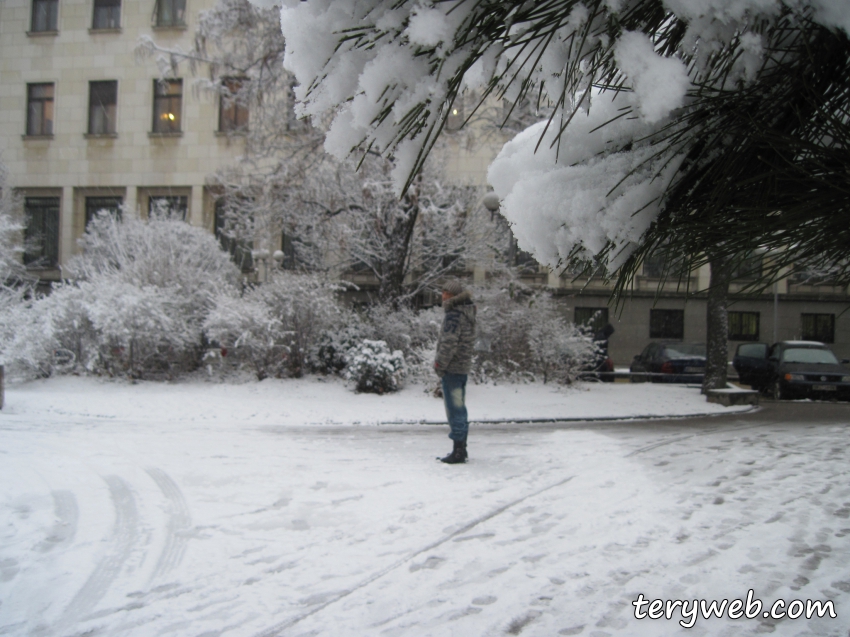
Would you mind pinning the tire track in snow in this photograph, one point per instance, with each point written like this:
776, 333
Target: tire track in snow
179, 523
124, 536
707, 432
67, 516
274, 631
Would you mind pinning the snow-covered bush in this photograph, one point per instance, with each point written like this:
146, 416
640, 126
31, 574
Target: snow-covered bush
330, 354
374, 368
404, 329
142, 291
275, 326
559, 349
522, 334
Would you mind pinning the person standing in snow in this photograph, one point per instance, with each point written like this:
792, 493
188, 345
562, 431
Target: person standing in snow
453, 362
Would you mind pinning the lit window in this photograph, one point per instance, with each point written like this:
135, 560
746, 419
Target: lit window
45, 15
41, 236
103, 101
107, 14
167, 105
455, 119
233, 112
39, 109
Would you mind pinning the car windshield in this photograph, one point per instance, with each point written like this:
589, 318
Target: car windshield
808, 355
685, 350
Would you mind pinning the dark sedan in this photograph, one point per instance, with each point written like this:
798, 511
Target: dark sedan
793, 369
669, 363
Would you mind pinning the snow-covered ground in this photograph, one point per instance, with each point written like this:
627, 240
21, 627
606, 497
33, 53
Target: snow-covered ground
280, 508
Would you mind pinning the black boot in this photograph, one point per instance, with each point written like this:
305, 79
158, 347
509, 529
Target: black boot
458, 454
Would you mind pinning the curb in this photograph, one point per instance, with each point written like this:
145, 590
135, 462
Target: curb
545, 421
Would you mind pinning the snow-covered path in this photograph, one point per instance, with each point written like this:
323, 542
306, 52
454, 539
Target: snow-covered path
134, 526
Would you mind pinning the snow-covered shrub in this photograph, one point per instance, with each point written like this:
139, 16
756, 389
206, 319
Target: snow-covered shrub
330, 353
404, 329
522, 334
274, 326
142, 291
560, 349
374, 368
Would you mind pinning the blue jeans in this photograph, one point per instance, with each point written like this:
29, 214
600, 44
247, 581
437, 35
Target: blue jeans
454, 395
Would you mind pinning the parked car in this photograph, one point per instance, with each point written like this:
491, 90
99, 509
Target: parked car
793, 369
669, 363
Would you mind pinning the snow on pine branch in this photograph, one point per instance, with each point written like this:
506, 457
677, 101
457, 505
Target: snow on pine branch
386, 73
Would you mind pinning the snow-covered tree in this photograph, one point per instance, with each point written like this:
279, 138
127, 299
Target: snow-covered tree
275, 326
140, 293
12, 270
332, 214
678, 127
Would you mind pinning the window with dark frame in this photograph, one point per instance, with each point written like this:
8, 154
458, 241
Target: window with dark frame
111, 205
107, 14
239, 249
743, 326
232, 112
593, 318
818, 327
747, 269
175, 205
103, 106
45, 16
667, 324
170, 13
167, 105
40, 109
41, 235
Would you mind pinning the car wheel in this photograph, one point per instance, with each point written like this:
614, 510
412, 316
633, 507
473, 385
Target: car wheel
778, 394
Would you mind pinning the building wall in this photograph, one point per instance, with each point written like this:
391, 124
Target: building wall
134, 162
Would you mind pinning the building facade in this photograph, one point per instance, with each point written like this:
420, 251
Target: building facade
86, 126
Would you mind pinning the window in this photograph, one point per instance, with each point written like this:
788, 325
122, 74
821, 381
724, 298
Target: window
653, 266
594, 318
455, 119
107, 14
103, 101
818, 327
177, 205
41, 236
233, 112
239, 249
167, 105
170, 13
667, 324
39, 109
45, 15
743, 326
748, 268
95, 204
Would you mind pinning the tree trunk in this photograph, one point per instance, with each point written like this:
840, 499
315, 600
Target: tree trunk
717, 326
399, 231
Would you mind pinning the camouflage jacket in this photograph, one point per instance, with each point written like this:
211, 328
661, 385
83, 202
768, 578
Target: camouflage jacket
457, 338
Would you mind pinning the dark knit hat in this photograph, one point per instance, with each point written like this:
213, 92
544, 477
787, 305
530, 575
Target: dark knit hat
453, 287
